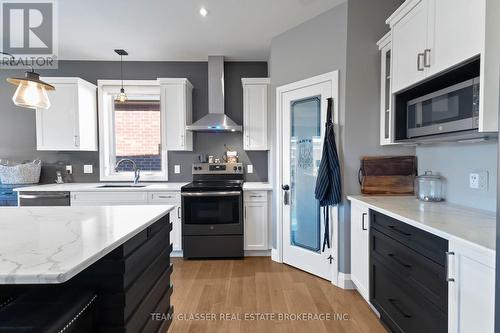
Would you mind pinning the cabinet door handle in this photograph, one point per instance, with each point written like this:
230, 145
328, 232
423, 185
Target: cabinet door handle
427, 58
255, 196
77, 141
394, 303
245, 212
178, 212
393, 228
363, 221
448, 278
420, 56
395, 258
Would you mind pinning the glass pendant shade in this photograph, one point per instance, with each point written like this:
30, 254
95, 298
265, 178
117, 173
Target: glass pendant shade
121, 97
30, 95
31, 92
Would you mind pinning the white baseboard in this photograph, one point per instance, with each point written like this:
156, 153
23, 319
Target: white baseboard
275, 255
345, 281
176, 254
257, 253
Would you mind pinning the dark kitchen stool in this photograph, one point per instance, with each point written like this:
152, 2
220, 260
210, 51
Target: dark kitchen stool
50, 310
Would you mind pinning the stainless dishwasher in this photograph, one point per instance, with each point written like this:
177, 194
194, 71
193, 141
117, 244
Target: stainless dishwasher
44, 198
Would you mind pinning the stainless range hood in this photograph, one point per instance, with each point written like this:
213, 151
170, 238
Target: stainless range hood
215, 120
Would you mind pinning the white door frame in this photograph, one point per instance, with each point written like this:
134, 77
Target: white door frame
332, 77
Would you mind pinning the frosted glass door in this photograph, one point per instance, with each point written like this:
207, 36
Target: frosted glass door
305, 150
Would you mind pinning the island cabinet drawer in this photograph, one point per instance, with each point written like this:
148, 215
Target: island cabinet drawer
255, 196
401, 308
429, 245
164, 197
418, 272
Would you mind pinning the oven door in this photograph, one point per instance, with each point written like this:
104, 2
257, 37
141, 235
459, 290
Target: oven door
212, 213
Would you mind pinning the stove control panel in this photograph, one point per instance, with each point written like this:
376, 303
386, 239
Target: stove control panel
217, 168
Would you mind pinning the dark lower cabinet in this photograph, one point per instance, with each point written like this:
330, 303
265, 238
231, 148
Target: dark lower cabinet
408, 276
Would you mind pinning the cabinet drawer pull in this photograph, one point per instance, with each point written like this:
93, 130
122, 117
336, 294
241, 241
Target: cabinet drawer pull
395, 258
178, 212
393, 228
394, 303
166, 196
447, 268
256, 196
363, 221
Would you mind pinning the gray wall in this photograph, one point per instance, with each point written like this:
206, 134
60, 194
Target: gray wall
343, 38
454, 162
17, 125
366, 25
312, 48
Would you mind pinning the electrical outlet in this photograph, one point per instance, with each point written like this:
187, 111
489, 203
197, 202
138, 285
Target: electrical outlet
478, 180
69, 169
88, 168
249, 168
177, 168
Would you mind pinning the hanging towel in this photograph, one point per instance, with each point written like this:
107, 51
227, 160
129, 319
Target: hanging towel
328, 184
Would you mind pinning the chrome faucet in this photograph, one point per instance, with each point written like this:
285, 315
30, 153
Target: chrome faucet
137, 171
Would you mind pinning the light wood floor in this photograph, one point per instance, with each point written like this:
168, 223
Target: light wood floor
258, 286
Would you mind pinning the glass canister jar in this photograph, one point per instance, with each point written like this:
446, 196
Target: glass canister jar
429, 187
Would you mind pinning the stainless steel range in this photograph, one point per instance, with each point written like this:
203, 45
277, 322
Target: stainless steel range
212, 206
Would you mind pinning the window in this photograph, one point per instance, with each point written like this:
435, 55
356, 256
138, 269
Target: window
132, 130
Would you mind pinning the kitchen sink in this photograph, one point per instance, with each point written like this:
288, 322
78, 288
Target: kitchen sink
122, 186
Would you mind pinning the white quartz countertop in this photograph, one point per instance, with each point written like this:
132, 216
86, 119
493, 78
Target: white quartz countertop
475, 227
45, 245
93, 187
150, 187
257, 186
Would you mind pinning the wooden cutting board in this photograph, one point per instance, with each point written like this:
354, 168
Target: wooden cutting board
388, 175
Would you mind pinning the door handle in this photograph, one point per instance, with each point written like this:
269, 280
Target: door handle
448, 278
363, 221
286, 196
420, 56
427, 58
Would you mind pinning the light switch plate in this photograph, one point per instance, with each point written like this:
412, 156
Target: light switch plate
177, 168
88, 168
69, 169
249, 168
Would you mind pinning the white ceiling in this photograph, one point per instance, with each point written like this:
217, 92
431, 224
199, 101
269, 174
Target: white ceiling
174, 29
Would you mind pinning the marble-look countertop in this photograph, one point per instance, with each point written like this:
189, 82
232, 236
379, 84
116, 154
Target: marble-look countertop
93, 187
257, 186
475, 227
151, 187
45, 245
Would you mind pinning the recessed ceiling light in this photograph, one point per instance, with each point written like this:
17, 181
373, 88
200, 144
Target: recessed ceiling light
203, 11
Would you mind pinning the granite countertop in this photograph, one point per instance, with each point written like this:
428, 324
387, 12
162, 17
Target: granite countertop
45, 245
475, 227
151, 187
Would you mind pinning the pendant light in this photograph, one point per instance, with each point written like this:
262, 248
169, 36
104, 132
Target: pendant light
121, 97
31, 92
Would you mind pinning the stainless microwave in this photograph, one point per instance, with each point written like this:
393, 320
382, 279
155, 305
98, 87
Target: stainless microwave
452, 109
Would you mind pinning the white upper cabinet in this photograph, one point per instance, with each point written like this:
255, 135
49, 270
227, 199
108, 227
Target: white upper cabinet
458, 25
255, 115
177, 102
70, 123
430, 37
386, 112
409, 41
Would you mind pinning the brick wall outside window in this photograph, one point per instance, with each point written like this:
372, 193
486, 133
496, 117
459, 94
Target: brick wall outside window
138, 137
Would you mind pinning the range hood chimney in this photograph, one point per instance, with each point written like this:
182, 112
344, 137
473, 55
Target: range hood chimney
215, 120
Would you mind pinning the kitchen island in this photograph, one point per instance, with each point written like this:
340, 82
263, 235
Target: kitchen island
120, 255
